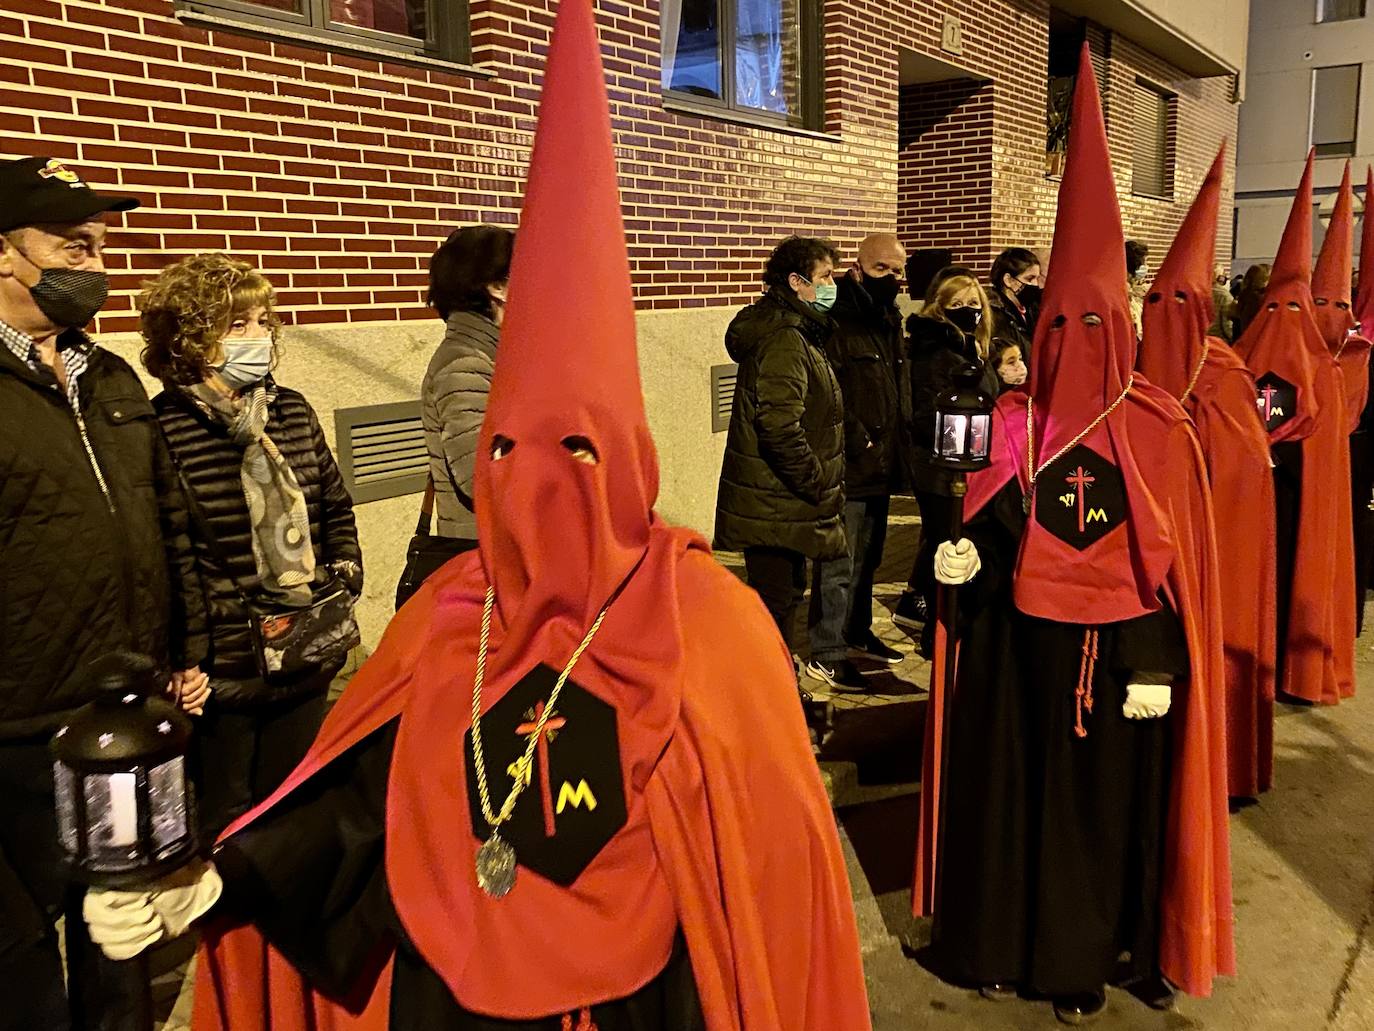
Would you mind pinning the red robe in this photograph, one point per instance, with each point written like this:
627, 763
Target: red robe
1236, 449
734, 799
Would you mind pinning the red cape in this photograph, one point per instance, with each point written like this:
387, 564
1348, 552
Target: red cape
1236, 449
1196, 939
1353, 358
741, 827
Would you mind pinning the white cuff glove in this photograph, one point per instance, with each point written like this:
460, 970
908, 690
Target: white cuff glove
124, 923
1146, 701
957, 564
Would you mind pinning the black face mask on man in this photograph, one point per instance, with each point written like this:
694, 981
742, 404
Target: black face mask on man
69, 297
965, 319
883, 289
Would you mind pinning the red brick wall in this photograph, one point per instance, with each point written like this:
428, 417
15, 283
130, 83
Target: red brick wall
338, 175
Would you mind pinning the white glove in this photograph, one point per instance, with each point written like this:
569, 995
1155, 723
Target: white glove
1146, 701
124, 923
957, 564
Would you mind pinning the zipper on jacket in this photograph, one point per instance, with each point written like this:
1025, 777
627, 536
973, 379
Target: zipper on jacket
90, 454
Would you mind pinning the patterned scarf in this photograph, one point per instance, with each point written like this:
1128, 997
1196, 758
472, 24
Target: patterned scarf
280, 520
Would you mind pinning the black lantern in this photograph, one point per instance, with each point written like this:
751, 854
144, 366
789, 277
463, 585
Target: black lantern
963, 422
125, 812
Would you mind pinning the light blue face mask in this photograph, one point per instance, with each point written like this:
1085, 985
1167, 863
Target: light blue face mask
246, 362
826, 294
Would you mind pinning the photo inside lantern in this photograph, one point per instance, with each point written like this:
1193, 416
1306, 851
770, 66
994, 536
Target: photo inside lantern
979, 434
954, 428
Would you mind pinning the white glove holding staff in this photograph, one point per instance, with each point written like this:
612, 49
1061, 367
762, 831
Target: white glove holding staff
1146, 701
124, 923
957, 563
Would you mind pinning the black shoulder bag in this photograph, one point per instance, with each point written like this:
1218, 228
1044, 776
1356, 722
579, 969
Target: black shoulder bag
427, 551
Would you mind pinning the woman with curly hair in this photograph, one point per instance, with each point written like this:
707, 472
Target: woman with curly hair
276, 546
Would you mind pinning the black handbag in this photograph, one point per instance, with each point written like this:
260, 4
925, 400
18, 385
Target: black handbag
289, 642
427, 551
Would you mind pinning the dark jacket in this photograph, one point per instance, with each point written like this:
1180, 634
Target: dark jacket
209, 463
86, 569
865, 349
937, 349
453, 400
782, 482
1010, 325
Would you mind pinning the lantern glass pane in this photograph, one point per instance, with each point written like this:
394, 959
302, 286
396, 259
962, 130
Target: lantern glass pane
64, 784
979, 436
952, 430
111, 812
167, 796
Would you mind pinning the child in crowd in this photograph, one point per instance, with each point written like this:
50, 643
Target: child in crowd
1009, 363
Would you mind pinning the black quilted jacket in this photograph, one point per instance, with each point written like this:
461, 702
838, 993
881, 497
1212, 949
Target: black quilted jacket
209, 463
83, 573
782, 479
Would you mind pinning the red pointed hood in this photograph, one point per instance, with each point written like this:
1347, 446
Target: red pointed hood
1282, 343
1083, 356
1364, 298
1335, 265
1179, 308
558, 537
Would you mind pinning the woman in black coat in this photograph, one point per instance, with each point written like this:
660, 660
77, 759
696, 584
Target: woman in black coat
271, 521
1014, 295
953, 329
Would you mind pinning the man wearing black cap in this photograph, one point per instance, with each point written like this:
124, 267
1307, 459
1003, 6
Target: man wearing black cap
94, 557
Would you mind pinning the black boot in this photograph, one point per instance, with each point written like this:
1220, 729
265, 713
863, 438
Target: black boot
1082, 1008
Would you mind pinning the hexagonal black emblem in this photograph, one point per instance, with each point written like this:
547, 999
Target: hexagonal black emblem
1080, 498
1276, 399
573, 802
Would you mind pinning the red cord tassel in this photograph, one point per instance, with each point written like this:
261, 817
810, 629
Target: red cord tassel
584, 1021
1083, 694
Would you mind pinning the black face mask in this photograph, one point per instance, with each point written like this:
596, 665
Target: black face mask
69, 297
1029, 296
965, 319
883, 289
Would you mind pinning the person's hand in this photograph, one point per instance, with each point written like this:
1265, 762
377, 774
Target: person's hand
190, 689
1146, 701
957, 564
124, 923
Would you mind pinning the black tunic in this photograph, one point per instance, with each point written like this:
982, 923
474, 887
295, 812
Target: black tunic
1051, 857
1287, 518
309, 874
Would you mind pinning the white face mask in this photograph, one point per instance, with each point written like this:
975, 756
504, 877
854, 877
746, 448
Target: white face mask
246, 362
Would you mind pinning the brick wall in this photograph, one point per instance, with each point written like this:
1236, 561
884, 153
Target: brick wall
338, 175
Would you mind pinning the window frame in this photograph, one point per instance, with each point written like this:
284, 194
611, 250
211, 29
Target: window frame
811, 92
1354, 141
1168, 144
448, 38
1321, 10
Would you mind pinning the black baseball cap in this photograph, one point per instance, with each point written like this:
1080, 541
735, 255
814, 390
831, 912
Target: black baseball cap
39, 190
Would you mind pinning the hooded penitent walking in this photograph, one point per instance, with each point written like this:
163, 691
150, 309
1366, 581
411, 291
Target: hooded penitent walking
1218, 392
1301, 399
571, 789
1085, 824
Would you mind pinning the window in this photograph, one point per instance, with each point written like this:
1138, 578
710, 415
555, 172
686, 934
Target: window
429, 28
1152, 172
1339, 10
1335, 109
756, 56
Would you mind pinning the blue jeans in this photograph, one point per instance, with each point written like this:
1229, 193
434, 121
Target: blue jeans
829, 609
865, 527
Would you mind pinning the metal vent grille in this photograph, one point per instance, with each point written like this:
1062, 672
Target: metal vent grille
382, 451
722, 396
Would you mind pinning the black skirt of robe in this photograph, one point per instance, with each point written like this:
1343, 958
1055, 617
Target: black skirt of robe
309, 874
1050, 863
1361, 490
1287, 513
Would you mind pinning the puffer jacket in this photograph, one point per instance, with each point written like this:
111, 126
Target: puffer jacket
937, 349
94, 554
453, 402
866, 352
782, 481
209, 463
